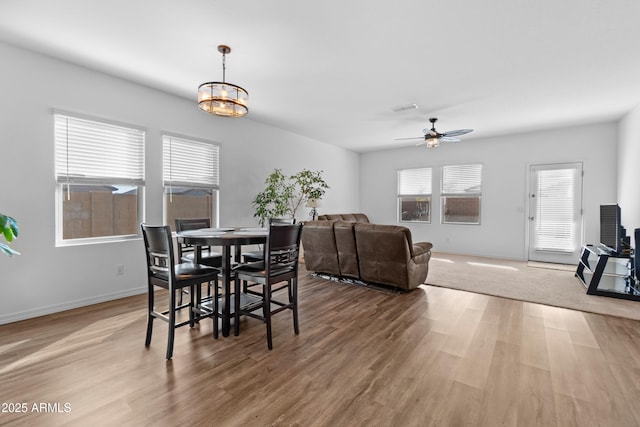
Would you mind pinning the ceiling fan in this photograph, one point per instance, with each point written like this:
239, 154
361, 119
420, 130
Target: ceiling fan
432, 137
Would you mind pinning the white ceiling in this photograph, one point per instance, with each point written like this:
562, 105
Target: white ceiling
334, 70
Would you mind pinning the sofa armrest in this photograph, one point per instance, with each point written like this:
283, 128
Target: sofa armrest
421, 249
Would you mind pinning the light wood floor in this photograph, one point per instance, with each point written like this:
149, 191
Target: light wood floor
432, 357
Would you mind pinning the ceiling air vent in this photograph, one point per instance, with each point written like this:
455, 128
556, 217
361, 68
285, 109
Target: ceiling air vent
404, 108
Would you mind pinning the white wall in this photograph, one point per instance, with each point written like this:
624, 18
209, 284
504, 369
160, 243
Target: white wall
506, 160
47, 279
629, 171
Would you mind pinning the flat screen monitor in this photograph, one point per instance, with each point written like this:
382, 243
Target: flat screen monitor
610, 227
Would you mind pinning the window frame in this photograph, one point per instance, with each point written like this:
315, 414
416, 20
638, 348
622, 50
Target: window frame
460, 194
413, 192
65, 166
171, 164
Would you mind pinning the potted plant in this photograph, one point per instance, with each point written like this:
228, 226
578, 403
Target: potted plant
9, 229
283, 194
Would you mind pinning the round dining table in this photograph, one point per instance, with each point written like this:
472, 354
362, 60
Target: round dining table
225, 238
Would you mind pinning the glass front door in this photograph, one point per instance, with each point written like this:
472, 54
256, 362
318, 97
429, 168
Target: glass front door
555, 212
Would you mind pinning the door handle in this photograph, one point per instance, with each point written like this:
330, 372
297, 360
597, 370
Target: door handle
531, 218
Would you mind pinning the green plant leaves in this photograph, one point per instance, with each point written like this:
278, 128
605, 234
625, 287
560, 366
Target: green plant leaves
9, 229
272, 202
311, 184
284, 194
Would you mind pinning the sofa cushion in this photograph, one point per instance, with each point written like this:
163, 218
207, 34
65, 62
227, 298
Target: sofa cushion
346, 245
319, 243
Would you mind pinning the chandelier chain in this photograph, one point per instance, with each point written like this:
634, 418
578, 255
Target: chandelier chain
224, 67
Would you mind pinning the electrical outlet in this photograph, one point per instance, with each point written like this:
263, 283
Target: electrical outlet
120, 269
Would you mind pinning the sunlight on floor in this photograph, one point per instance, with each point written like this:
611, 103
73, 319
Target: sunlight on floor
6, 347
480, 264
90, 335
442, 259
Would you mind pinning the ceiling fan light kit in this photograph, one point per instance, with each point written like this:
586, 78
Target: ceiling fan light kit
222, 98
432, 142
432, 137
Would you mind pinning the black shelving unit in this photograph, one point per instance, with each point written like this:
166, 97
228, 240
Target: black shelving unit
608, 274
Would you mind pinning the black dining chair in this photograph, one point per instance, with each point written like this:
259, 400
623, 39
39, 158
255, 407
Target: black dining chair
258, 255
253, 256
163, 272
186, 253
277, 272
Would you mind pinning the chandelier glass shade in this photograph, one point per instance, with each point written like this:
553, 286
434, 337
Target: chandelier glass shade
222, 98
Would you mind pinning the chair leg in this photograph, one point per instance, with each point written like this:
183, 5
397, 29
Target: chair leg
236, 309
294, 303
216, 308
266, 310
192, 302
172, 323
195, 304
150, 317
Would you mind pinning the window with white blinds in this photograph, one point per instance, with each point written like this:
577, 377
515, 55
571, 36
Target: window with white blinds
191, 178
190, 163
413, 182
414, 195
555, 210
461, 179
461, 192
99, 168
89, 151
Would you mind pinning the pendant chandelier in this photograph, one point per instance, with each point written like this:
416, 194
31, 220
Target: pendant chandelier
222, 98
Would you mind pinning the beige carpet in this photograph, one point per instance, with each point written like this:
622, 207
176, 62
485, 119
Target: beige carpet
556, 286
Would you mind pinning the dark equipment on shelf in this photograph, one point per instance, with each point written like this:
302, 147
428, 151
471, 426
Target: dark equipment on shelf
611, 230
636, 263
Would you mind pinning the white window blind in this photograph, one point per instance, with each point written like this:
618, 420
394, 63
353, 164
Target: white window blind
189, 163
462, 179
89, 151
555, 210
414, 181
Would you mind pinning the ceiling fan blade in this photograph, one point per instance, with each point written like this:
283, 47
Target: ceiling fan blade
457, 132
415, 137
421, 143
449, 139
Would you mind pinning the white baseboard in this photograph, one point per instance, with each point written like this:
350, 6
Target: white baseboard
42, 311
483, 255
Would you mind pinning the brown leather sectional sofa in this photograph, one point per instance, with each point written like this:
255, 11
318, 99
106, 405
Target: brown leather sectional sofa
348, 245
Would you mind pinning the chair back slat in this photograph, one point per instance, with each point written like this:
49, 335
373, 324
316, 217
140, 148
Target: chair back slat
158, 263
283, 258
